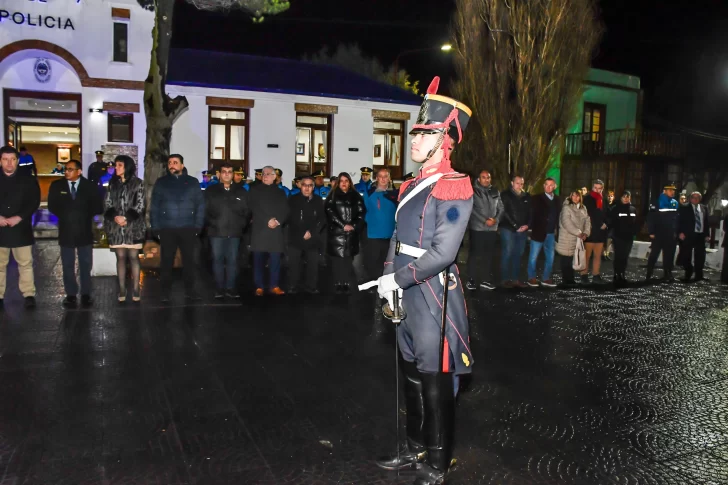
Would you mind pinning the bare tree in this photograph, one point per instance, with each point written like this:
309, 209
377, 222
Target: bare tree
351, 57
159, 108
520, 66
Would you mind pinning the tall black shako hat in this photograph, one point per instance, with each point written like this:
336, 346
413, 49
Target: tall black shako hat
440, 114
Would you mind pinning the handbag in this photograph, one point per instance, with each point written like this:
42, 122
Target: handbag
579, 263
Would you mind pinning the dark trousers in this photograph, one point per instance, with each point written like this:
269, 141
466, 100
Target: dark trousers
295, 261
343, 269
665, 243
274, 269
622, 248
225, 261
567, 270
85, 262
376, 255
693, 243
480, 254
187, 241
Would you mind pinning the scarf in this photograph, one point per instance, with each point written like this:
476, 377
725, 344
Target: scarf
598, 197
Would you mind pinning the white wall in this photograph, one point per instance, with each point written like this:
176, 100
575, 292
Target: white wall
91, 39
273, 121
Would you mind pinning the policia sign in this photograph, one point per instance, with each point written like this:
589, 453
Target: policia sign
35, 20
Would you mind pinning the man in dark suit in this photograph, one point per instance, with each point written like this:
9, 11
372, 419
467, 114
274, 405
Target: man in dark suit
693, 232
75, 201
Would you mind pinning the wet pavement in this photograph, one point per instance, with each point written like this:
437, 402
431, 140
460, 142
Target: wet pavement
579, 386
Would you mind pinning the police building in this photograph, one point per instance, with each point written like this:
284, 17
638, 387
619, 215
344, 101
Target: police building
72, 72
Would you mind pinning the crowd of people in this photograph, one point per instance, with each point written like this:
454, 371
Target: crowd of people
312, 223
584, 219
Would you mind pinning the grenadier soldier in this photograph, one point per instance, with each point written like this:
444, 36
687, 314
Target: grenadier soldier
662, 226
97, 169
432, 216
365, 181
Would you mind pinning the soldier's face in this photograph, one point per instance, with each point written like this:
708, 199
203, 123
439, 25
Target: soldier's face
670, 192
237, 177
365, 177
319, 181
422, 144
258, 176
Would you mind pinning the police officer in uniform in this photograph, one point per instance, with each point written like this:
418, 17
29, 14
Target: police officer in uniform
365, 181
320, 189
296, 187
239, 178
432, 216
97, 169
662, 226
258, 178
279, 182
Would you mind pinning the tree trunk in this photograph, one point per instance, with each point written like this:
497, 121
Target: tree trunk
160, 110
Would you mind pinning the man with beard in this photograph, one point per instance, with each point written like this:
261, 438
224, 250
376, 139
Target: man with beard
432, 216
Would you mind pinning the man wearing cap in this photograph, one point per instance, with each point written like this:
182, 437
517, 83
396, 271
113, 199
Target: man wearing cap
320, 188
694, 232
239, 178
431, 219
205, 182
97, 169
662, 226
258, 178
279, 183
365, 181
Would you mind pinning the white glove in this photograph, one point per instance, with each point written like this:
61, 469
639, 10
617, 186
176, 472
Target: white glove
386, 288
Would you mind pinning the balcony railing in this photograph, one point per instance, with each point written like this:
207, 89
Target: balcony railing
626, 142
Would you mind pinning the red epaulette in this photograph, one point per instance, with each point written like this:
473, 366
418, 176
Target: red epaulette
403, 187
453, 186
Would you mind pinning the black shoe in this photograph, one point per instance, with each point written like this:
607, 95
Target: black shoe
339, 288
219, 295
86, 300
29, 302
669, 278
585, 279
192, 296
597, 279
407, 459
70, 301
164, 298
487, 285
471, 285
427, 475
313, 291
346, 289
232, 293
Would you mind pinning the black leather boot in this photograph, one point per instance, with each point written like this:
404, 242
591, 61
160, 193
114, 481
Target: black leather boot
413, 450
439, 426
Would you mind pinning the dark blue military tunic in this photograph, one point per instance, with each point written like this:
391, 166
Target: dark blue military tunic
438, 226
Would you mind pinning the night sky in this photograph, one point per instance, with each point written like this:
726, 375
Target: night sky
679, 51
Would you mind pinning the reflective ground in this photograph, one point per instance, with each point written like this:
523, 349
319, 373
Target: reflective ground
581, 386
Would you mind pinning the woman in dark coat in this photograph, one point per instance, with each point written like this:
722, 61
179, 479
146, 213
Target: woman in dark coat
124, 222
345, 214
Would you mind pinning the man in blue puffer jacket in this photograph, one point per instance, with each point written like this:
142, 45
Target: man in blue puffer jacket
177, 216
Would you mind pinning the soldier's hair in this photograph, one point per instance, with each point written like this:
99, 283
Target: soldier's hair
8, 149
178, 157
598, 182
77, 162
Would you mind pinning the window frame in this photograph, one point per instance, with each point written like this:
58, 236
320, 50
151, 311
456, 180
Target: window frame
109, 136
395, 171
113, 40
329, 127
213, 163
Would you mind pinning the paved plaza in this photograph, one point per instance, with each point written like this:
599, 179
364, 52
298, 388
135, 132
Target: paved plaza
570, 386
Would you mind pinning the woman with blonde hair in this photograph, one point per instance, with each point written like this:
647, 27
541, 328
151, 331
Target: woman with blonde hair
574, 224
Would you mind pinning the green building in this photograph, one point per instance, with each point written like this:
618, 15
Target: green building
608, 142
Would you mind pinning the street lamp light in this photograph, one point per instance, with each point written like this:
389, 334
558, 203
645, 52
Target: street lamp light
395, 74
